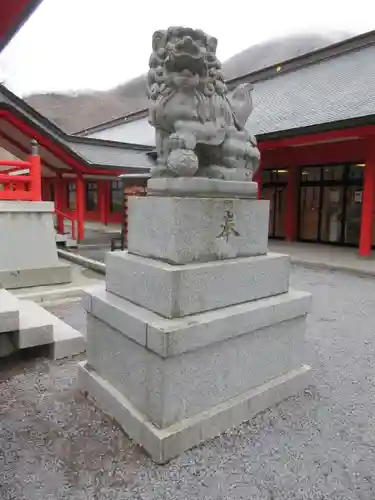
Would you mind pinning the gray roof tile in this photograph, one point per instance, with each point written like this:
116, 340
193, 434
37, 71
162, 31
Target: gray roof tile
337, 88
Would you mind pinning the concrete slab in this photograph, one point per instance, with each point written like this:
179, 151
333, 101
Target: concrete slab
36, 328
28, 255
54, 294
31, 277
67, 341
9, 316
319, 256
40, 327
6, 345
165, 444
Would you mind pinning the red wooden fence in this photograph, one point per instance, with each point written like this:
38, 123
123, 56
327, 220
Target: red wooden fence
23, 187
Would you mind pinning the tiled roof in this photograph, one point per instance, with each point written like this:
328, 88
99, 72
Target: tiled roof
338, 88
334, 84
112, 156
93, 153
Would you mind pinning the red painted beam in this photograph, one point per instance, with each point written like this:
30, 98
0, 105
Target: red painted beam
27, 152
13, 13
50, 145
320, 137
43, 140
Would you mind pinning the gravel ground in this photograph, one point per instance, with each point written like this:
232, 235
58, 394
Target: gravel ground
56, 445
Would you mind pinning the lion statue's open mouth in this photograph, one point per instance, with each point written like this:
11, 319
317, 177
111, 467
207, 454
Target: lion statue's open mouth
199, 128
186, 57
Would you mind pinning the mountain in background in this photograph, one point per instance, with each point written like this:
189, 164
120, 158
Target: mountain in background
77, 111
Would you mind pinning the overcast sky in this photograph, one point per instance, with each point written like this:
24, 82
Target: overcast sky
70, 45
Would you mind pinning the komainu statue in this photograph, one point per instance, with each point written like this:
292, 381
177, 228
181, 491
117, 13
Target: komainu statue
200, 128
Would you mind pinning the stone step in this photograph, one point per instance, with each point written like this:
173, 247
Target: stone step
6, 345
25, 324
36, 327
65, 240
70, 243
9, 316
39, 327
60, 238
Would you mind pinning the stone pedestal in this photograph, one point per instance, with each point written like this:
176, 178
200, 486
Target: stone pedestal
196, 329
28, 254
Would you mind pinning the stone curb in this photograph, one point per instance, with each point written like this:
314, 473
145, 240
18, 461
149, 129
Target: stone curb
101, 268
95, 265
333, 267
55, 296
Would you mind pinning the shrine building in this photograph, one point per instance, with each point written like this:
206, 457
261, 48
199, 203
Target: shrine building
314, 118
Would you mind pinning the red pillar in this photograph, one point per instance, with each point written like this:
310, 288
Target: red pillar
103, 201
80, 193
291, 204
59, 202
365, 240
35, 172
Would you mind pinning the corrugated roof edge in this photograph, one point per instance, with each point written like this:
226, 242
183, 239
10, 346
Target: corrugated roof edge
33, 118
333, 50
129, 117
58, 132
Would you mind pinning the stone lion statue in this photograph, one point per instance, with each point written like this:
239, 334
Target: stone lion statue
200, 129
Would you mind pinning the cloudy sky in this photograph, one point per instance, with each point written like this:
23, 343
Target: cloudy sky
70, 45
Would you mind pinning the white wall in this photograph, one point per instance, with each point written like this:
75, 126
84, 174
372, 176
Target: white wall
136, 132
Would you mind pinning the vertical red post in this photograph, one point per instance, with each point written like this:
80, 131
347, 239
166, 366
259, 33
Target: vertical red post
290, 221
103, 201
365, 240
80, 192
35, 172
59, 202
258, 178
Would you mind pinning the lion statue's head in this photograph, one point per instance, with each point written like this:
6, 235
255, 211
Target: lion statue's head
184, 58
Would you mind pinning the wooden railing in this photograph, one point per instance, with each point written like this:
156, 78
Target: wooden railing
60, 223
25, 186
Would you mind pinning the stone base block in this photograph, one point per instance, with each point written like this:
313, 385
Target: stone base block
28, 254
165, 444
35, 328
170, 337
30, 325
24, 278
173, 369
184, 230
180, 290
6, 345
9, 315
197, 187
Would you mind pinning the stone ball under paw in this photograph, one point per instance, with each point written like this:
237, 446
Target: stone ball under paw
183, 162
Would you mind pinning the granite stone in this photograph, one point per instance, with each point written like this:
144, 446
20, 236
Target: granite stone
168, 390
198, 187
199, 128
9, 315
165, 444
28, 254
170, 337
184, 230
179, 290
